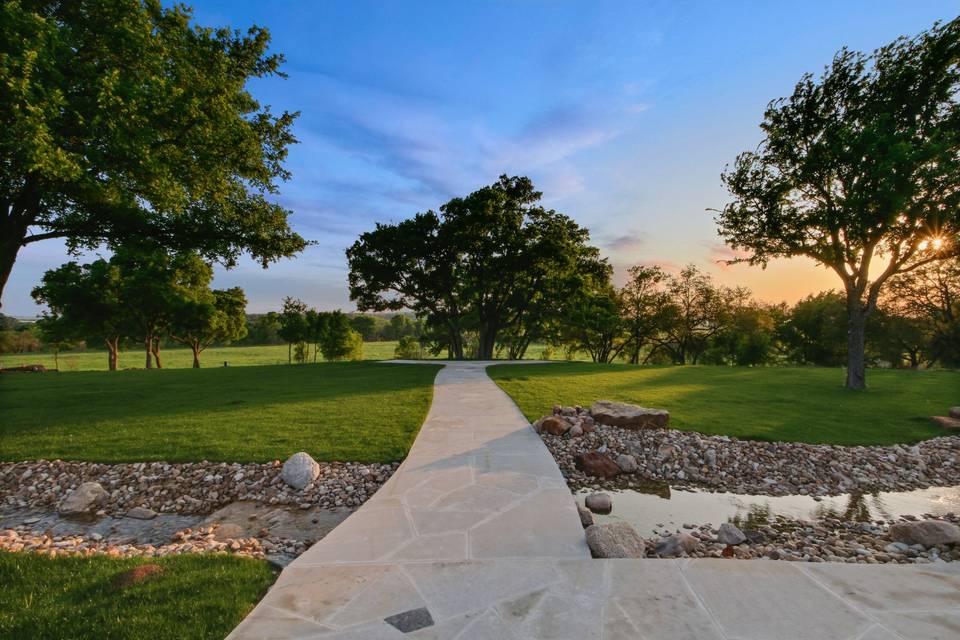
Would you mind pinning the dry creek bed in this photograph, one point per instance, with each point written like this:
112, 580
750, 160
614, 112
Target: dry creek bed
157, 509
680, 459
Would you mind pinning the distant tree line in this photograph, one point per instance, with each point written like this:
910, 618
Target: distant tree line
685, 318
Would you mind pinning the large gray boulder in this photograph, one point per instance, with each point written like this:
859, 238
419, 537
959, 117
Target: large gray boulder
955, 412
628, 416
86, 498
730, 534
614, 540
925, 532
300, 470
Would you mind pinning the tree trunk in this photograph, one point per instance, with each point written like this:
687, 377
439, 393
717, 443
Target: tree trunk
856, 346
112, 354
155, 349
148, 347
488, 340
289, 352
456, 344
11, 237
196, 355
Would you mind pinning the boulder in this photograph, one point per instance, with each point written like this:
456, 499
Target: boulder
555, 426
614, 540
627, 463
586, 518
628, 416
300, 470
676, 544
142, 513
538, 424
596, 464
575, 431
926, 532
599, 503
86, 498
955, 412
730, 534
587, 424
946, 422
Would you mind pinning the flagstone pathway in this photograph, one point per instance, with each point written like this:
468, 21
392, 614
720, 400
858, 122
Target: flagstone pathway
476, 536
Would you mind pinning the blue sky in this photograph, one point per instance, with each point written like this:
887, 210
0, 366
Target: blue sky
623, 113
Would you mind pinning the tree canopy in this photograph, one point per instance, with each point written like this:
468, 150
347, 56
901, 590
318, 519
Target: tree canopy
492, 263
122, 120
859, 170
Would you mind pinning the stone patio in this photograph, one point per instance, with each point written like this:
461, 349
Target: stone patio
477, 536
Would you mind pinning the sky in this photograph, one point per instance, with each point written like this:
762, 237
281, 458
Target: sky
623, 113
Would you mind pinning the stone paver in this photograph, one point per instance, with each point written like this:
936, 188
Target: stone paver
476, 536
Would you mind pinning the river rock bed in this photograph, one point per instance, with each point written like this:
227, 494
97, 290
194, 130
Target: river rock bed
278, 533
187, 488
723, 463
825, 540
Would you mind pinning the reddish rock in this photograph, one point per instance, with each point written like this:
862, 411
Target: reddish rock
555, 426
946, 422
596, 464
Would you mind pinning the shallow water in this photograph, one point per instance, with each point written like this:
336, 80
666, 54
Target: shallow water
658, 508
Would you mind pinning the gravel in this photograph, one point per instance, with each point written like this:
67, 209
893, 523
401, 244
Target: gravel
722, 463
826, 540
187, 488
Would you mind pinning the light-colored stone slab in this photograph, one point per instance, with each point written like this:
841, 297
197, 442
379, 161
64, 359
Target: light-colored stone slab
757, 600
461, 587
655, 597
922, 625
889, 587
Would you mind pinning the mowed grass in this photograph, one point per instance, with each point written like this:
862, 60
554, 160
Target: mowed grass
178, 357
354, 411
790, 404
196, 597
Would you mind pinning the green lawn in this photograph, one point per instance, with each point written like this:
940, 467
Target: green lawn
793, 404
178, 357
357, 411
196, 596
175, 357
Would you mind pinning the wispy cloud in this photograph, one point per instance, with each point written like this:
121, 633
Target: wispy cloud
626, 242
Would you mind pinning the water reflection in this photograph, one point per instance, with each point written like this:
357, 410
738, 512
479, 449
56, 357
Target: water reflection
655, 507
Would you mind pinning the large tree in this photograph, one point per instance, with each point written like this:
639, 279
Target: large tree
155, 287
121, 120
860, 171
489, 262
643, 302
85, 302
208, 317
695, 311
